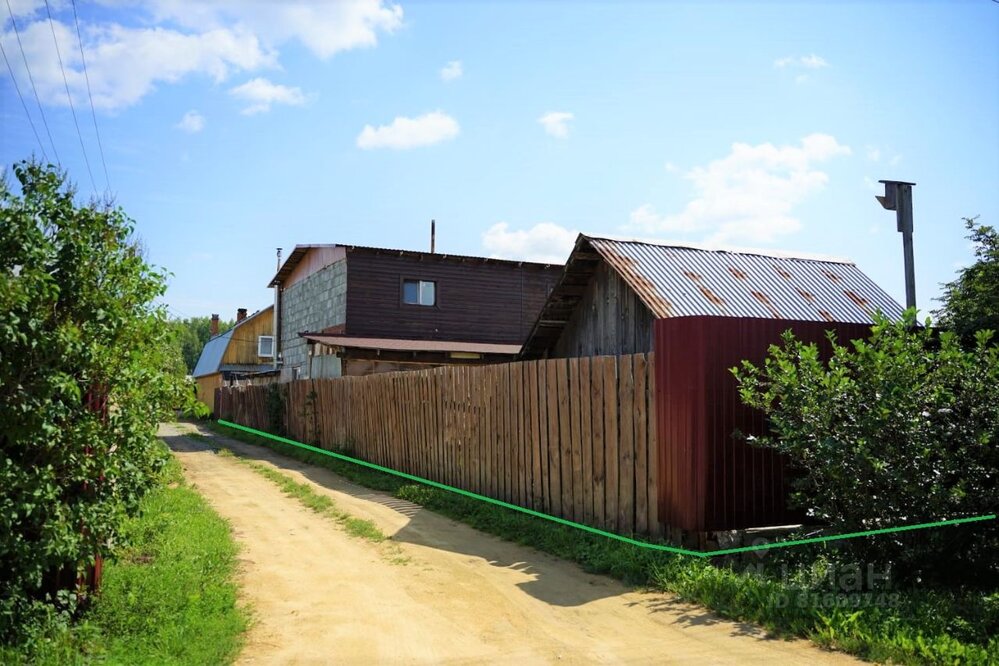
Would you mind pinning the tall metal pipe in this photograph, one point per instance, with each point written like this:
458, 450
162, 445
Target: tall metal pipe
898, 197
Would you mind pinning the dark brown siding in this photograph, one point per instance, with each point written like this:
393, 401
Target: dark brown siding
709, 479
610, 319
476, 301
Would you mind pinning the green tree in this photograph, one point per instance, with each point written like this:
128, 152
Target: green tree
898, 429
971, 302
87, 370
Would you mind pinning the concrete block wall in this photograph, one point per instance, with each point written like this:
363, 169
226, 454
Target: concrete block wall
317, 302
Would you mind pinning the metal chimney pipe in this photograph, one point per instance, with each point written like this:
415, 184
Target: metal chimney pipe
898, 197
276, 317
433, 236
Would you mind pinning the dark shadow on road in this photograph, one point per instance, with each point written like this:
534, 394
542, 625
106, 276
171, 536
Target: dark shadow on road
555, 581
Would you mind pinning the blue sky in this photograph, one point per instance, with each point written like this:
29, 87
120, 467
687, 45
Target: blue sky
232, 128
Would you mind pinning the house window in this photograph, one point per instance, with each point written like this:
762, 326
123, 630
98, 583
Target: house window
419, 292
265, 346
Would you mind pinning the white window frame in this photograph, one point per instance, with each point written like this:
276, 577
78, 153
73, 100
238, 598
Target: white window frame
260, 341
419, 292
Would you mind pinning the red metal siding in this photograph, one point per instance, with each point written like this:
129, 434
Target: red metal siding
709, 479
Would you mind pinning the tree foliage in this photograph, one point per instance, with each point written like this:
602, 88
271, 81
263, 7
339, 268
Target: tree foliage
192, 334
971, 302
77, 324
898, 429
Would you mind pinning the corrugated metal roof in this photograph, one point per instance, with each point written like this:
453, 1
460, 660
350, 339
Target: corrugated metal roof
676, 281
211, 355
395, 344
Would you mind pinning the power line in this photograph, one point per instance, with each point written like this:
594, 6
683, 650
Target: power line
93, 112
23, 103
32, 81
69, 97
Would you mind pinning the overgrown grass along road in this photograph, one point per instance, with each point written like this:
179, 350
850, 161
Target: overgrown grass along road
901, 626
168, 598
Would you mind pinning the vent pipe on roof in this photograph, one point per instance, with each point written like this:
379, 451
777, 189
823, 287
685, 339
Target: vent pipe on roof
433, 236
898, 197
276, 316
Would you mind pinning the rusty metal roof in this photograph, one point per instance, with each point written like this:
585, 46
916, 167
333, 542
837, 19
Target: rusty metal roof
676, 281
395, 344
681, 281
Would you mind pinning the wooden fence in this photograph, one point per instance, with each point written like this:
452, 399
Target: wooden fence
573, 438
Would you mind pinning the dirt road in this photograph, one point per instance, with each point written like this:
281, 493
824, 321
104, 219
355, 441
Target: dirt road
321, 596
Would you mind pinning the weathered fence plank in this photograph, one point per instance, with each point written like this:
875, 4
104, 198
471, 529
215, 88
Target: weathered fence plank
574, 438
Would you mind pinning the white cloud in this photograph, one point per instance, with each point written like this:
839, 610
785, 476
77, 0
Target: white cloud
556, 123
261, 93
544, 242
125, 64
451, 71
748, 195
873, 153
171, 40
325, 28
813, 62
807, 62
404, 133
21, 8
192, 122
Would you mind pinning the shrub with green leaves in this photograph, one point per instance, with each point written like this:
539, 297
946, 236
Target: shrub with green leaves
77, 322
897, 429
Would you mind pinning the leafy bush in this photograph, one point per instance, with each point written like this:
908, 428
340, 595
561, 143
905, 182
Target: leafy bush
87, 372
898, 429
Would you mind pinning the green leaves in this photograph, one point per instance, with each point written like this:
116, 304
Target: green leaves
971, 302
900, 428
77, 324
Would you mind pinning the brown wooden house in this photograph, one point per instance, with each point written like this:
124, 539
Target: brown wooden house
349, 310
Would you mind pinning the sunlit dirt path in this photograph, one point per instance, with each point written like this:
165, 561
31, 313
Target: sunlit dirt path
319, 595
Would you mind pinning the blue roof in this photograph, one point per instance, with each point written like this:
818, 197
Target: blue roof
211, 355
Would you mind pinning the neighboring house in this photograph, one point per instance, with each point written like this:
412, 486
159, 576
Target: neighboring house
703, 312
245, 350
349, 310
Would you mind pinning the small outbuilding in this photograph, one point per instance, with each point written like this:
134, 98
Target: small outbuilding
702, 312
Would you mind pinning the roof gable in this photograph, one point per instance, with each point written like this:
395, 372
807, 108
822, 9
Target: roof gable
210, 360
679, 281
299, 254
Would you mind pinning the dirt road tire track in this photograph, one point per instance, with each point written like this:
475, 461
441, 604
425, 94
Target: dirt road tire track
319, 595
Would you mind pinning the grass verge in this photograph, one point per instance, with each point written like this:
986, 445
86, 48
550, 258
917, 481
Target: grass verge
900, 626
169, 597
309, 498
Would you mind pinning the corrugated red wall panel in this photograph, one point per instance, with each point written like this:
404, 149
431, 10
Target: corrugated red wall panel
709, 478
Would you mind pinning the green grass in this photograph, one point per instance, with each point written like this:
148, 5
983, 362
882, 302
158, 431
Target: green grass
914, 627
167, 598
309, 498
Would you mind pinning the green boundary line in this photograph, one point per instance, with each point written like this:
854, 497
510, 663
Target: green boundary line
594, 530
